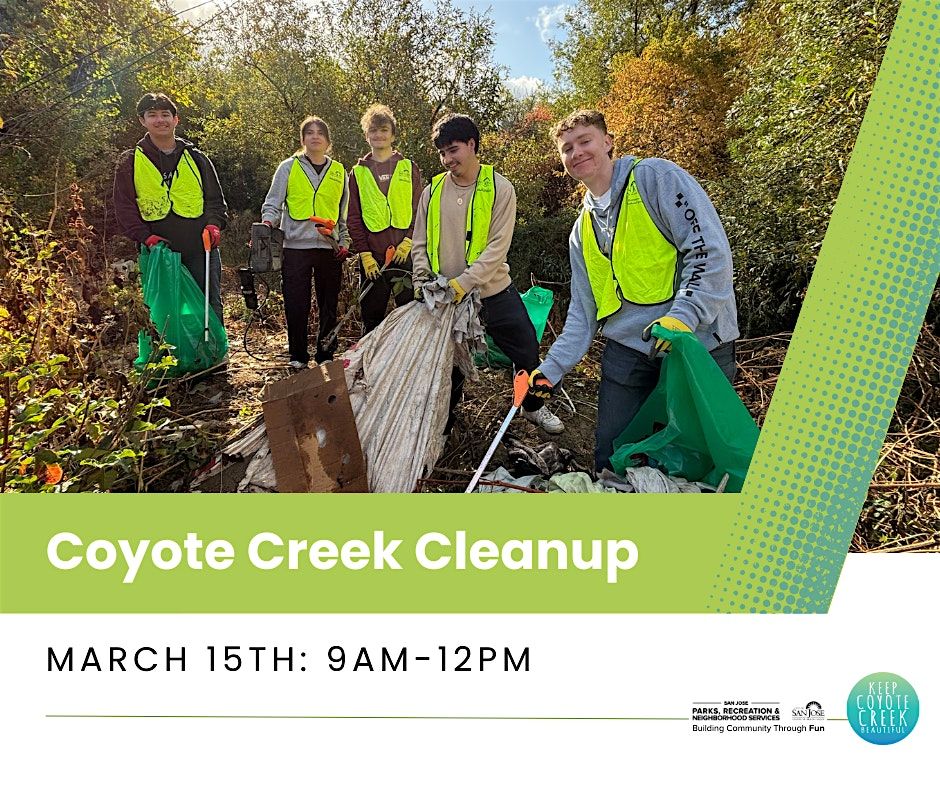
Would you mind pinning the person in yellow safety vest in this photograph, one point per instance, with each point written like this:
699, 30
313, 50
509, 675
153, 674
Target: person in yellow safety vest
165, 189
463, 229
384, 189
648, 247
310, 184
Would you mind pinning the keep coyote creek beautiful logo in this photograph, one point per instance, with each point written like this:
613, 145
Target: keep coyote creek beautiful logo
883, 708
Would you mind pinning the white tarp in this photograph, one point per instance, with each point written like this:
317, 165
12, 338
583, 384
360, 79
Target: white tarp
398, 378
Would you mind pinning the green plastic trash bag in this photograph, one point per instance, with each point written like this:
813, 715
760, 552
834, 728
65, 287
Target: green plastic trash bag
538, 303
693, 424
177, 310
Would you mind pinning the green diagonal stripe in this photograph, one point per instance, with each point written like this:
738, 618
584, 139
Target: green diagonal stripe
853, 342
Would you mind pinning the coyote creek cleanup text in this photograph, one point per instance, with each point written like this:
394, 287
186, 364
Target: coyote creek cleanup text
268, 551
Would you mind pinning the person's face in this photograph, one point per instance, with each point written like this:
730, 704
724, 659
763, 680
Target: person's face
315, 141
159, 123
459, 157
585, 152
380, 137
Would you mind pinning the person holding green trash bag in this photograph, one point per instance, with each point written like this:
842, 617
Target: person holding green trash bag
309, 200
647, 249
165, 189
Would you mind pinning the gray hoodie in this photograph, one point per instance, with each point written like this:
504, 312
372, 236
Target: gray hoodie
686, 217
302, 234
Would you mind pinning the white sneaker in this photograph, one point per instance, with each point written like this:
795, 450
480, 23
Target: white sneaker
545, 419
294, 364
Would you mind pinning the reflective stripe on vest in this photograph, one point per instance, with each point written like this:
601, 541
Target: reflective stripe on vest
155, 200
643, 270
303, 201
378, 211
479, 215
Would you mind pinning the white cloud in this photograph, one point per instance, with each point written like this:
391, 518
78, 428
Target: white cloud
548, 18
522, 87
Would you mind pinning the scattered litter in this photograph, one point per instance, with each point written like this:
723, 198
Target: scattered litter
635, 480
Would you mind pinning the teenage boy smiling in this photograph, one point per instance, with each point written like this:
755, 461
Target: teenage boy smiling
648, 247
463, 230
165, 189
384, 189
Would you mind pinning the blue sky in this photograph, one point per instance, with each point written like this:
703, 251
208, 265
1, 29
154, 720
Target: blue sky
522, 27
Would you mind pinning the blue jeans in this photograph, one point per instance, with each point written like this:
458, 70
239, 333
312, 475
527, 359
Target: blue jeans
628, 377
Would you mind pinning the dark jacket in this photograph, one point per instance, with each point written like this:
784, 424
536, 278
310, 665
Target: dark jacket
184, 235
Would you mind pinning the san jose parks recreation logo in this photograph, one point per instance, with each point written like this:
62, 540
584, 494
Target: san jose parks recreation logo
883, 708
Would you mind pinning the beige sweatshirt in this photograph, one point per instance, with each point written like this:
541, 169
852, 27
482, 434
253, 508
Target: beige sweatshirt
490, 272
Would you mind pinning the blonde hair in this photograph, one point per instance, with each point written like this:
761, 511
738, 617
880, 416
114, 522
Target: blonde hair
312, 120
580, 117
378, 115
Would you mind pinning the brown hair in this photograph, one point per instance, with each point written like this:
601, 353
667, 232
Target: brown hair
378, 115
580, 117
155, 101
309, 121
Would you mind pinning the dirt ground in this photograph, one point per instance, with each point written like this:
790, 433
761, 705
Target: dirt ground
903, 507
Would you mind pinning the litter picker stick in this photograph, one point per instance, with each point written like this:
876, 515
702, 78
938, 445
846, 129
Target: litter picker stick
207, 245
520, 387
328, 340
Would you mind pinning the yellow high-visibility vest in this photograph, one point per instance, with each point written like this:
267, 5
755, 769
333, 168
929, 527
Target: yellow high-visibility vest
479, 216
378, 211
303, 201
155, 199
643, 264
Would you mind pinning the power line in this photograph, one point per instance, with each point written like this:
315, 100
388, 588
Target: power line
21, 120
117, 40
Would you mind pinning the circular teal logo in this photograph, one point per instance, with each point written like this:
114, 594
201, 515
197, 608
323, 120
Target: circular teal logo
883, 708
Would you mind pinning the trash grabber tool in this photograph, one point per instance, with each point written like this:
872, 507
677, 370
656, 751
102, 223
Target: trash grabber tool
328, 340
520, 387
207, 245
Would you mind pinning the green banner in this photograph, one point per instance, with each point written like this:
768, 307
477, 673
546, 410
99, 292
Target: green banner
520, 553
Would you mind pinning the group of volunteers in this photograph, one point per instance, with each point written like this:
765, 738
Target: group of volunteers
647, 247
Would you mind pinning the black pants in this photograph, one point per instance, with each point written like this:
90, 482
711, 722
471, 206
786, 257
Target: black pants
375, 302
299, 266
508, 323
628, 377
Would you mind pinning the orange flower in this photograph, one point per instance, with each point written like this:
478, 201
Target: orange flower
24, 466
53, 473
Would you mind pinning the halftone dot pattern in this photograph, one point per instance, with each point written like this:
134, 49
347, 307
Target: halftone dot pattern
852, 345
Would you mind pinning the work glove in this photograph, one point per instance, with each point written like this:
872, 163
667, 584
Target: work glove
153, 240
215, 236
370, 266
402, 250
540, 386
341, 253
324, 226
459, 292
663, 345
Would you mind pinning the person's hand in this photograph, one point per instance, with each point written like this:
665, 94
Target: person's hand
663, 345
341, 253
402, 251
324, 226
153, 240
459, 293
540, 386
215, 236
370, 266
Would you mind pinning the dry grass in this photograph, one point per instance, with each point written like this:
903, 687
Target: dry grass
902, 511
